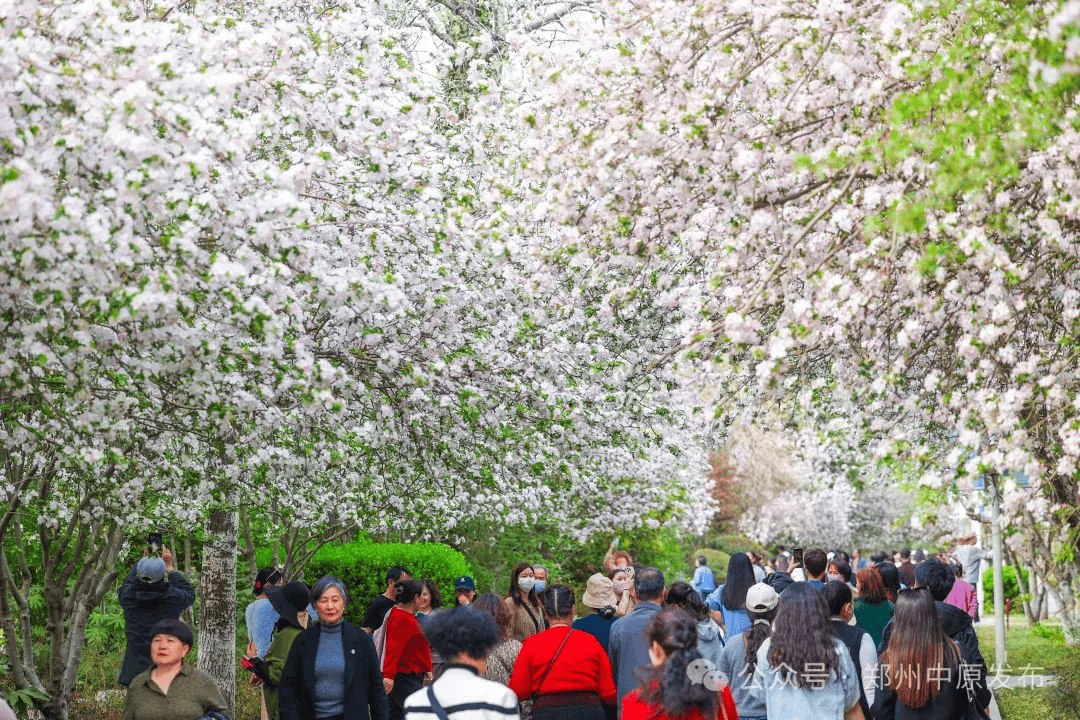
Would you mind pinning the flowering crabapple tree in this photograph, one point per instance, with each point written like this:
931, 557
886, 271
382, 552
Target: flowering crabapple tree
240, 269
870, 209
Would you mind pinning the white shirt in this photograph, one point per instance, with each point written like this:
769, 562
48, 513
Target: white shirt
465, 696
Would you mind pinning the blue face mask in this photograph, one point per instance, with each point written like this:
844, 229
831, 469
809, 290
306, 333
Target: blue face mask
540, 585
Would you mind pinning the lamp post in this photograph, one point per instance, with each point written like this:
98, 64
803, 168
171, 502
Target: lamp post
1000, 659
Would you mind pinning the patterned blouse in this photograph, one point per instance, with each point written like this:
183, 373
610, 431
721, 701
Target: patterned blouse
500, 662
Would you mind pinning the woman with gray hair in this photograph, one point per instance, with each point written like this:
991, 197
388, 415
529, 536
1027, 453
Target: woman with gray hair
333, 671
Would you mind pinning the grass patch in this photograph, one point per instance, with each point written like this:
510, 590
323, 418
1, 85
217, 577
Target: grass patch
1038, 647
1025, 703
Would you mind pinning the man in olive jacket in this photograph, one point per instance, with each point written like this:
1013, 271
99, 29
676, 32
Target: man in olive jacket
626, 642
151, 592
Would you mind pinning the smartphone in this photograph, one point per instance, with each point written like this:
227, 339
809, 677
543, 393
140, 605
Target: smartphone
796, 556
615, 542
154, 539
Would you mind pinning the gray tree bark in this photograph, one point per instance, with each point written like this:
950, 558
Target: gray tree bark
217, 614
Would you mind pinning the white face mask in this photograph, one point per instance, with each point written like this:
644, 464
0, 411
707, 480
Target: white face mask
526, 583
834, 577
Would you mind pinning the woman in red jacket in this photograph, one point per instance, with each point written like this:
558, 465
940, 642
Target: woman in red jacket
680, 685
566, 669
406, 654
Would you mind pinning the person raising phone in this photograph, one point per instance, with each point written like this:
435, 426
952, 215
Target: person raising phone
153, 591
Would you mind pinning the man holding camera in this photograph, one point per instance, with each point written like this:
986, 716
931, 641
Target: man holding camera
151, 592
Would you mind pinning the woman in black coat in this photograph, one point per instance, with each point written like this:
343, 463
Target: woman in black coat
349, 673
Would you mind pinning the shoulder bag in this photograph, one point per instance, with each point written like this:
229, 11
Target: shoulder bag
550, 665
439, 710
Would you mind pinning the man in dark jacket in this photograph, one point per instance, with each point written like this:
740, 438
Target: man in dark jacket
957, 625
152, 591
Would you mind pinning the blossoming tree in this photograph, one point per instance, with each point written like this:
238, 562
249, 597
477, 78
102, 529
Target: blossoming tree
869, 211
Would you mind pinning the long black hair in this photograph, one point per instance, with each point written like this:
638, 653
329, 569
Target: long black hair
802, 634
740, 578
681, 595
670, 685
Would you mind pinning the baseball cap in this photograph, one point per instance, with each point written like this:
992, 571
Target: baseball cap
464, 583
761, 598
150, 570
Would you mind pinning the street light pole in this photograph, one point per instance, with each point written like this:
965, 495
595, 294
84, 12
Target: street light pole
1000, 659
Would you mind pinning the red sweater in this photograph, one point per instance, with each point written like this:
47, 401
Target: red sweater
634, 708
407, 650
582, 665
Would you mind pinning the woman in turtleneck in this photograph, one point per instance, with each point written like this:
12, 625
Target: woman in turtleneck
333, 671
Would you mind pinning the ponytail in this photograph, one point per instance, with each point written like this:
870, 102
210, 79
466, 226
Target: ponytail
755, 636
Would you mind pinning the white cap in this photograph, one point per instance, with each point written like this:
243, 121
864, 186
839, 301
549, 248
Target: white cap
761, 598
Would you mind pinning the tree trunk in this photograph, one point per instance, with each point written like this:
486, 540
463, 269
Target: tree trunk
217, 616
1025, 588
189, 613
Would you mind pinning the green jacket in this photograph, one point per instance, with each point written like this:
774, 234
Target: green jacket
271, 666
190, 695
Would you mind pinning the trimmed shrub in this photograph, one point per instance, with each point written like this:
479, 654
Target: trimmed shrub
362, 567
1012, 588
731, 544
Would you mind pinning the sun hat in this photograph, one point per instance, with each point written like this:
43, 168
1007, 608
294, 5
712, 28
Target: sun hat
289, 599
761, 598
599, 592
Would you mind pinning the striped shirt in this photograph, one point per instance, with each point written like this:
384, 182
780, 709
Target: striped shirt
465, 696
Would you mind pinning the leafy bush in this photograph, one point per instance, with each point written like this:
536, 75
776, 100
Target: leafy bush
362, 567
731, 544
1065, 693
1012, 588
717, 562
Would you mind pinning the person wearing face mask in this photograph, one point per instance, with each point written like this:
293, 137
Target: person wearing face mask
527, 613
540, 574
622, 579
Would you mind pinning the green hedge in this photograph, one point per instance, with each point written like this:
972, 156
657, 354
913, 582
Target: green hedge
731, 544
1011, 587
362, 567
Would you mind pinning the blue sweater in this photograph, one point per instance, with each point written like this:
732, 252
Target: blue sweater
330, 673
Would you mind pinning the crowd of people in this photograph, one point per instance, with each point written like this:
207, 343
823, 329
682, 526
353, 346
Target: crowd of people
803, 635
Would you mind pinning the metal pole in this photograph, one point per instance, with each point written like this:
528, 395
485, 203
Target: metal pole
1000, 659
